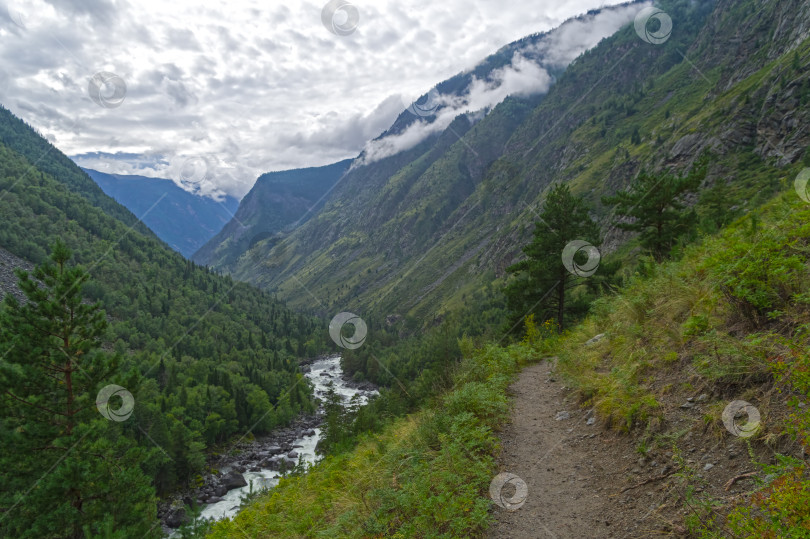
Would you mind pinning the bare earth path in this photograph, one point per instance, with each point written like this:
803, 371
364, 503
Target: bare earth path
574, 471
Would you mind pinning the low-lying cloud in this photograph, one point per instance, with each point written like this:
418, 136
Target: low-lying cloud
525, 75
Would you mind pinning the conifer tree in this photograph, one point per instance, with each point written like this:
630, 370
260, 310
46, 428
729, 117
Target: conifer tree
653, 206
542, 282
67, 471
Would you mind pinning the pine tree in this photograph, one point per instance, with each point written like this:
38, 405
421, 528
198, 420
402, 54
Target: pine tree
542, 281
337, 423
655, 209
68, 472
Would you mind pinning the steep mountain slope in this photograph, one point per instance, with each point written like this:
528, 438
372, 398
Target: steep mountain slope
205, 358
16, 135
420, 231
278, 201
183, 220
421, 161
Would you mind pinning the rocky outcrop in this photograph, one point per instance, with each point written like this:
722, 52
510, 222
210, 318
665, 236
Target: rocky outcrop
8, 280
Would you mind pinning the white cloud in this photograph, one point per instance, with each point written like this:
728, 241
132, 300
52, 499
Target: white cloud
251, 85
522, 77
573, 38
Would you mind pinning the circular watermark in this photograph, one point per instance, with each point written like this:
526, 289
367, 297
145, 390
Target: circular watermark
735, 410
103, 403
360, 330
425, 106
581, 270
644, 25
15, 13
340, 17
107, 89
508, 491
193, 171
800, 184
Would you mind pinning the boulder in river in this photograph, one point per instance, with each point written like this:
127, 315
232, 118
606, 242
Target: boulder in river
177, 518
233, 479
292, 455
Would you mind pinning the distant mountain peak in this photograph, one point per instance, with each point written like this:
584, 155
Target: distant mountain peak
181, 218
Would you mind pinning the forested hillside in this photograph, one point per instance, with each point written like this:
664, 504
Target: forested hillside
206, 359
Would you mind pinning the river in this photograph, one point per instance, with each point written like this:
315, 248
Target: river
322, 372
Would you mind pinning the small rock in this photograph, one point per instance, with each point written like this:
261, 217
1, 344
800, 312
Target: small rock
595, 339
562, 415
177, 518
687, 405
292, 455
708, 467
702, 397
591, 421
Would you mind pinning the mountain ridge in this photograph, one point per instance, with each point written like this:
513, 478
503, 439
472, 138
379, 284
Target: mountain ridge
277, 202
184, 220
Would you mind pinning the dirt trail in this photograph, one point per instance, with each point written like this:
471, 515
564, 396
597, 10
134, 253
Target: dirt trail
574, 471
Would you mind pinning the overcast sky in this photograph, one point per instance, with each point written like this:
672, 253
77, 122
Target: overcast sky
229, 90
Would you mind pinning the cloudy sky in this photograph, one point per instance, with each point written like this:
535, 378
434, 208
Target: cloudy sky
227, 90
